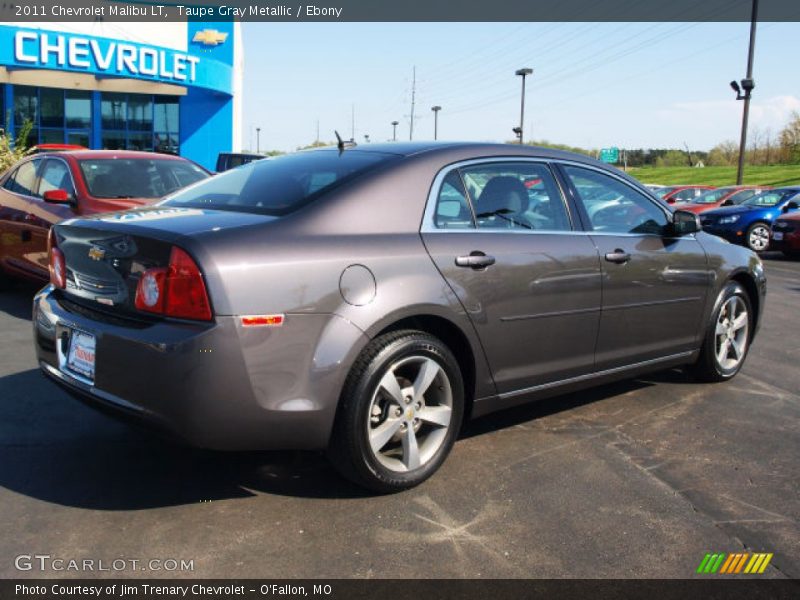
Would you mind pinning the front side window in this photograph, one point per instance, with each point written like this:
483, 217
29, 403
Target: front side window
280, 185
522, 196
740, 197
56, 176
613, 206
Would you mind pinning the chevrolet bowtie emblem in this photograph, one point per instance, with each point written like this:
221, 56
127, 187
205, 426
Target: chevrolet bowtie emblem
96, 253
210, 37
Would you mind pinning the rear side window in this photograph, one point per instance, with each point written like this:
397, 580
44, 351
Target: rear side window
452, 206
278, 186
23, 181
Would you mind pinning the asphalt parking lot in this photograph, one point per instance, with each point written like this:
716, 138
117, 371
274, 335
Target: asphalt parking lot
636, 479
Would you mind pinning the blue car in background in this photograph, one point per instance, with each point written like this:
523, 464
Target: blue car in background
749, 223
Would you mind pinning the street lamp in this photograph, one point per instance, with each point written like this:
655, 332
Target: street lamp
747, 84
394, 130
522, 73
366, 138
436, 110
258, 140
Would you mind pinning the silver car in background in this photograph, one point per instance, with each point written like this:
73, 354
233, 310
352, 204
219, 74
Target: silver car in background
369, 300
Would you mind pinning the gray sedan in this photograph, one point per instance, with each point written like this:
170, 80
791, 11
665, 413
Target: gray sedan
369, 300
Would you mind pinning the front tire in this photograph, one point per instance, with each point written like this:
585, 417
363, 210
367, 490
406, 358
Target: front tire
728, 337
400, 412
757, 237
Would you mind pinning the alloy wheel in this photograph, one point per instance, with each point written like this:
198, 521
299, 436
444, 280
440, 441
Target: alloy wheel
731, 333
410, 413
758, 238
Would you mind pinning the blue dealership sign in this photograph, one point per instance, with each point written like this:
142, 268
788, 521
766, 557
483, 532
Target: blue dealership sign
39, 49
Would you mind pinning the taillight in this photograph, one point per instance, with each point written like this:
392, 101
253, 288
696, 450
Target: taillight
175, 291
56, 260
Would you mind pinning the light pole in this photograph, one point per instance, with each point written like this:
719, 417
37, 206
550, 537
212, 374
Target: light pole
394, 130
258, 140
747, 85
436, 110
522, 73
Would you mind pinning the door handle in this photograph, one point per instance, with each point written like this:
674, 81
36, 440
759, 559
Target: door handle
475, 260
618, 256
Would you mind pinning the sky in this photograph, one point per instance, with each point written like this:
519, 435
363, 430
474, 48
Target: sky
631, 85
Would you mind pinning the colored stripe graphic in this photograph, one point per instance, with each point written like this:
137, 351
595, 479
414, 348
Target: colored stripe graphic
734, 564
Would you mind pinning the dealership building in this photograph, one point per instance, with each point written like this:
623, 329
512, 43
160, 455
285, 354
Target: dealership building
165, 87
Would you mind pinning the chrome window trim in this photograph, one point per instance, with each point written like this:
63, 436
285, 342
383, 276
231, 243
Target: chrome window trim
428, 219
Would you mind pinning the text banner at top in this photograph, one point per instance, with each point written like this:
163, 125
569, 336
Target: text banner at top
400, 11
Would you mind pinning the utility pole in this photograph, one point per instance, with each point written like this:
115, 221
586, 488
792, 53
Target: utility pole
317, 131
747, 85
413, 101
353, 122
258, 140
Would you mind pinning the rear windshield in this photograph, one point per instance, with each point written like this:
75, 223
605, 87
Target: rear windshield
280, 185
138, 177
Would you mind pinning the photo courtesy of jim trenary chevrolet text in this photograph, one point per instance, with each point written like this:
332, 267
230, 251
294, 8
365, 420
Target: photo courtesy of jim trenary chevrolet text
370, 299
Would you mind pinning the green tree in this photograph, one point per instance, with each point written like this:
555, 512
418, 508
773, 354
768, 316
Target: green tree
12, 150
790, 140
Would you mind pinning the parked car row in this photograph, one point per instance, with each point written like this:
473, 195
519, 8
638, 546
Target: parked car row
754, 216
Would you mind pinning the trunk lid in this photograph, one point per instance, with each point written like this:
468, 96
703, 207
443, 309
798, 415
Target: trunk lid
107, 254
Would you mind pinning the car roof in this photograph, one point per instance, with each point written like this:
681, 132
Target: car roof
478, 149
101, 154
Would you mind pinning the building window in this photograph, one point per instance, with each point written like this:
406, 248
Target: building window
58, 116
140, 122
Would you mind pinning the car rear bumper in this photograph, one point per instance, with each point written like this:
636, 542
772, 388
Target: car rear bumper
215, 385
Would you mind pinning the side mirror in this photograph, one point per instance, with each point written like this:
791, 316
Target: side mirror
57, 197
791, 205
685, 222
728, 202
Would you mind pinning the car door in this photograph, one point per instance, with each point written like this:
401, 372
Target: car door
54, 174
16, 220
501, 234
654, 283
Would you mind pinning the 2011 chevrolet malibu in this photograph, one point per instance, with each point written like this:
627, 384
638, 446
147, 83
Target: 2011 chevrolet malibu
369, 300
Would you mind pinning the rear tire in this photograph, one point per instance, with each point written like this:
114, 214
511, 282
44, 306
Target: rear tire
728, 337
399, 413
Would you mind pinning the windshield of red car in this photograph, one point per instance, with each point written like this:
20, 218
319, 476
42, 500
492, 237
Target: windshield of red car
711, 196
138, 177
280, 185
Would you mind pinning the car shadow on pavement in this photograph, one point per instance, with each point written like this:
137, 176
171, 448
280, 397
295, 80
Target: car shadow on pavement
57, 450
17, 299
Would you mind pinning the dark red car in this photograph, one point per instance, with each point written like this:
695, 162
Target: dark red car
44, 189
681, 193
724, 196
785, 235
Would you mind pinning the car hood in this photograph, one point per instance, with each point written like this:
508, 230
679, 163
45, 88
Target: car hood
733, 210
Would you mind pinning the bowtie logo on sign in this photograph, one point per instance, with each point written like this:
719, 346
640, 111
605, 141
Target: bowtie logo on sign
210, 37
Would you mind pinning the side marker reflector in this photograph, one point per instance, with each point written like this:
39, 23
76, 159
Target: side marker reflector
262, 320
